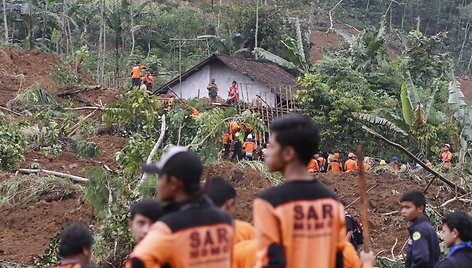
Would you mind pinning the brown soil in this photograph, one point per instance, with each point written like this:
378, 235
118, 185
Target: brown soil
248, 184
26, 230
321, 40
466, 86
384, 198
19, 70
70, 163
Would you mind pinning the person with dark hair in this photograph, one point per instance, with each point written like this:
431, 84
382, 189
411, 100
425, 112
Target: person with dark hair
423, 243
457, 228
223, 195
144, 214
295, 220
184, 236
212, 91
75, 247
233, 94
237, 150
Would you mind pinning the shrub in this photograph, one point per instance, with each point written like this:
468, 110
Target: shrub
12, 146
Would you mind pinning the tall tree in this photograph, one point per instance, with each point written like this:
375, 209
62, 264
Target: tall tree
5, 21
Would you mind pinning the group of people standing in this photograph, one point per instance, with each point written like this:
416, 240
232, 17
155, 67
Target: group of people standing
138, 80
233, 93
299, 223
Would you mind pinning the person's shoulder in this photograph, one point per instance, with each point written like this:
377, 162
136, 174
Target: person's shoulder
296, 191
178, 220
243, 224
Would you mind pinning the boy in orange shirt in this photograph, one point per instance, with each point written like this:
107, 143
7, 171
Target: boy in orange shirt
299, 223
223, 195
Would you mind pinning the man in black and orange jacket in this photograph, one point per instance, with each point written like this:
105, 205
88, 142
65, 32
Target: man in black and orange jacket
299, 223
195, 233
75, 247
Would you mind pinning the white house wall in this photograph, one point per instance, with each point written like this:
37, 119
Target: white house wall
195, 85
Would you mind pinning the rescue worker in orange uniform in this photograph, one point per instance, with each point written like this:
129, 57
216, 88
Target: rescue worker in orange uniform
299, 223
249, 147
446, 157
148, 79
351, 164
321, 162
75, 247
136, 74
223, 195
313, 165
183, 237
244, 254
336, 166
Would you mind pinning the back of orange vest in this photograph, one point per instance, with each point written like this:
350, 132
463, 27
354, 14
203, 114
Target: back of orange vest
301, 224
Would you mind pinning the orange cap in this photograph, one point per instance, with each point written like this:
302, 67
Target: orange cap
336, 155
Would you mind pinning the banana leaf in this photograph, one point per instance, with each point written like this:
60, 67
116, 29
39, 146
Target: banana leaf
380, 121
407, 109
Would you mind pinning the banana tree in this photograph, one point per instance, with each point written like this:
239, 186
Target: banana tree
229, 46
294, 54
463, 114
413, 121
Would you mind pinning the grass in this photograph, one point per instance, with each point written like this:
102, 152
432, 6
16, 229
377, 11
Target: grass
33, 188
274, 178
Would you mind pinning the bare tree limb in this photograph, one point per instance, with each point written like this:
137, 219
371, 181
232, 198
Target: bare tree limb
76, 126
55, 173
10, 111
78, 90
412, 156
330, 13
357, 199
153, 151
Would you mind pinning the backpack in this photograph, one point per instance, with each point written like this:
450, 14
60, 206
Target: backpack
358, 232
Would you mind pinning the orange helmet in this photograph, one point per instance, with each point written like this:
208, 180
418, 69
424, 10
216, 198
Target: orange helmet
336, 155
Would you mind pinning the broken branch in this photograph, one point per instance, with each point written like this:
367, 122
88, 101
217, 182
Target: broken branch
78, 90
55, 173
355, 200
153, 151
10, 111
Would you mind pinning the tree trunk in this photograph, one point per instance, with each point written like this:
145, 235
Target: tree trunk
132, 25
101, 43
43, 31
30, 31
466, 32
257, 25
5, 21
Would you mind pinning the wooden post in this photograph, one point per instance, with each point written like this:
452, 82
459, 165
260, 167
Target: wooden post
364, 203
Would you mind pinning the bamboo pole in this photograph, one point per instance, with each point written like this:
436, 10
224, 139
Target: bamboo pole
398, 146
364, 203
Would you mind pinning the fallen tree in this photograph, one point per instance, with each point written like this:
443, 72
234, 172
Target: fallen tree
412, 156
